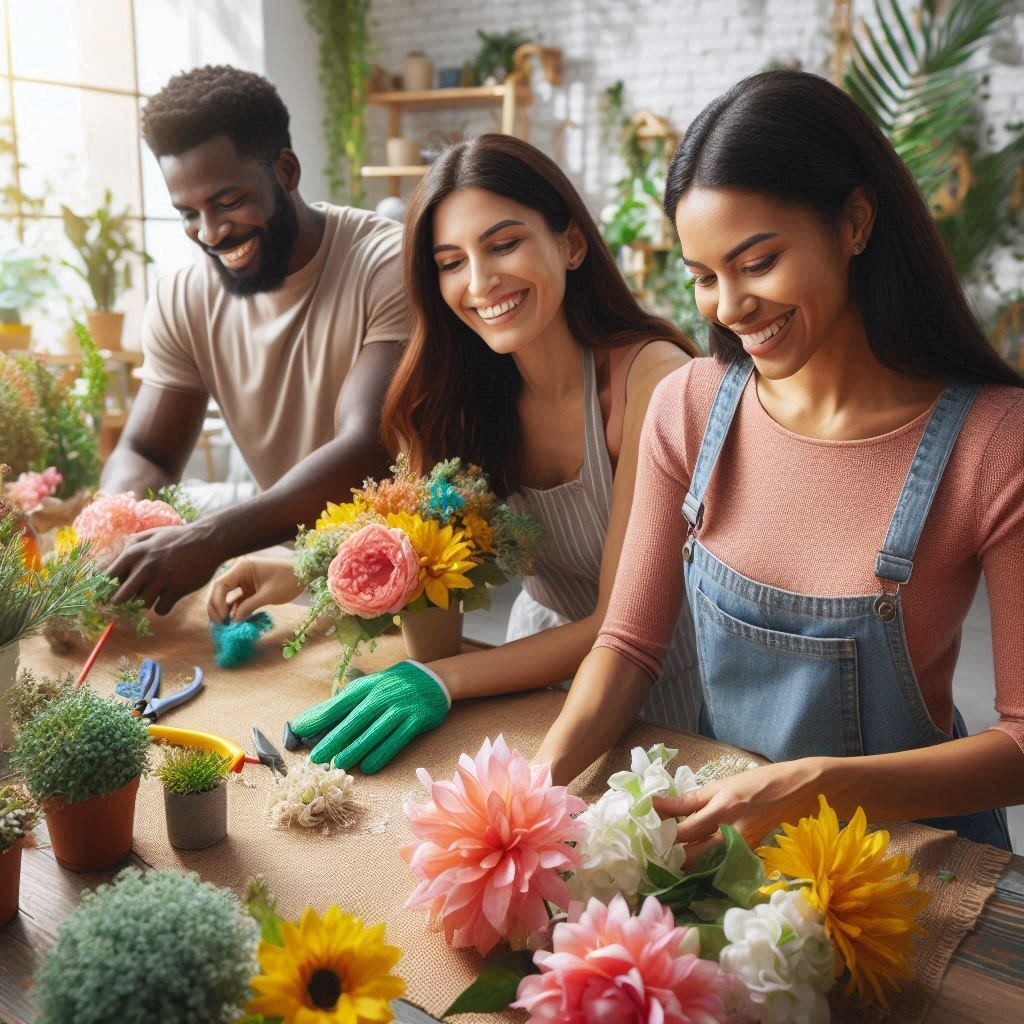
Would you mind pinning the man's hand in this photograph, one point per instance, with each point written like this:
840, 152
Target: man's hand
159, 567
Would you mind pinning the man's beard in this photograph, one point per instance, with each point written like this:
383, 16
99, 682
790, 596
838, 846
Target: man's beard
277, 243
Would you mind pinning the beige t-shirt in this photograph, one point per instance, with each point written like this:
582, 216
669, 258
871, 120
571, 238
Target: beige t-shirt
275, 362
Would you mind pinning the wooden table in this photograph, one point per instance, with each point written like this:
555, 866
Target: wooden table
984, 982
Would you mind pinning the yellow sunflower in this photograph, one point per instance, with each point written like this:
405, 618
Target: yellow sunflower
444, 555
868, 900
65, 541
478, 533
340, 515
329, 971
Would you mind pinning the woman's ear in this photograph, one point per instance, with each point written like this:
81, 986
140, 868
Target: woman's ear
859, 218
577, 246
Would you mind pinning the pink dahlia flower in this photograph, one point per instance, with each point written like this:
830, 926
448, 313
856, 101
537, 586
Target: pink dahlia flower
375, 572
30, 488
151, 514
108, 521
608, 967
489, 847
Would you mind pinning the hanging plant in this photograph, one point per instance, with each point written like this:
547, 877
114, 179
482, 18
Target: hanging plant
345, 48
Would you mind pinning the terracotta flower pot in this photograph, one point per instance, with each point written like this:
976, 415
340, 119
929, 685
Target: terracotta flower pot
10, 881
94, 834
433, 633
197, 820
105, 328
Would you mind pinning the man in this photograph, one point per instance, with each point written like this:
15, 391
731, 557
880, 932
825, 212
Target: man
292, 323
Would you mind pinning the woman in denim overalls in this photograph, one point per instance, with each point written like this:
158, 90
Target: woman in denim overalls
837, 320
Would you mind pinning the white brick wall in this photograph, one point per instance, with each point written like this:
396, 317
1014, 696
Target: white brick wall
674, 56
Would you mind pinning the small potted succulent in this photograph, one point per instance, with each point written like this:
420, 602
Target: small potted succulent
18, 816
194, 944
195, 796
81, 757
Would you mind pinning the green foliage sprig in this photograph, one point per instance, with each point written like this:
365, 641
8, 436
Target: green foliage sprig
345, 49
103, 243
79, 747
192, 770
178, 498
19, 814
192, 944
30, 694
67, 588
497, 53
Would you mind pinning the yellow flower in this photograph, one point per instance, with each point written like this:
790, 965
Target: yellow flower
443, 553
65, 541
868, 900
329, 971
339, 515
478, 533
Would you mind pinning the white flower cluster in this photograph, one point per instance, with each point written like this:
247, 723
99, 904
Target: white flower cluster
311, 795
781, 954
624, 832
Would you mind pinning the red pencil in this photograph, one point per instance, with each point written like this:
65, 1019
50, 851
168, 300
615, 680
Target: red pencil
94, 654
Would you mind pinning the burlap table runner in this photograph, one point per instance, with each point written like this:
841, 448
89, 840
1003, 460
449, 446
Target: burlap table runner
359, 868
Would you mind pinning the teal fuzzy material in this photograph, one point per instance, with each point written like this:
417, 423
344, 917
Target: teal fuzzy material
237, 643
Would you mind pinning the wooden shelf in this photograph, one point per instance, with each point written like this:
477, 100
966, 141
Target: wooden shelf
387, 171
475, 95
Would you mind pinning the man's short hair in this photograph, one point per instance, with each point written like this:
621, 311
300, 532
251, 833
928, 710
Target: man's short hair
201, 104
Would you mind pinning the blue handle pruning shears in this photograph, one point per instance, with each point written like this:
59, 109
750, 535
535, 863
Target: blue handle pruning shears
149, 705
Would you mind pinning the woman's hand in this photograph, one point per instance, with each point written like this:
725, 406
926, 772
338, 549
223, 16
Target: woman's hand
754, 803
248, 585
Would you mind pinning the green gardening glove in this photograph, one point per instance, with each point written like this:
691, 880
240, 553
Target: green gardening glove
375, 717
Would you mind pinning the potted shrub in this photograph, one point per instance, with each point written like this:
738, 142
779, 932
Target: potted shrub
24, 280
81, 757
104, 247
154, 946
195, 796
34, 593
18, 816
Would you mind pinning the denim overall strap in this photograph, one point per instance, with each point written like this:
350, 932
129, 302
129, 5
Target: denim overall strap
895, 560
730, 391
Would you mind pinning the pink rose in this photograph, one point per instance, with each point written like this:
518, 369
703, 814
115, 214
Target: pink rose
375, 572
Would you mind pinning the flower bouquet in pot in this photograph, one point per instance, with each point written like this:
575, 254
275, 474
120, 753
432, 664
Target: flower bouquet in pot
195, 796
423, 548
19, 814
82, 757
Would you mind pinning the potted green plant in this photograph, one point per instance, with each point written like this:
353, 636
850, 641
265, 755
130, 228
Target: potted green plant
18, 816
24, 281
197, 944
496, 58
81, 757
195, 796
104, 246
34, 593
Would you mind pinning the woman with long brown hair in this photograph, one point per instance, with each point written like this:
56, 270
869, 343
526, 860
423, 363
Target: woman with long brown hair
529, 357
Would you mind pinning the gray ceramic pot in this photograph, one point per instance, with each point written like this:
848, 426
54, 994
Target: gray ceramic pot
197, 820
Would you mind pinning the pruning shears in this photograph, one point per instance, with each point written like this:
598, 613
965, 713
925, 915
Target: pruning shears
151, 706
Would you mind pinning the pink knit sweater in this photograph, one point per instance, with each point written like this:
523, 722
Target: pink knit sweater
809, 516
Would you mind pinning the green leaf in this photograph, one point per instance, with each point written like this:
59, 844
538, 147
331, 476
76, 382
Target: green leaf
712, 940
712, 910
741, 873
496, 985
662, 877
488, 572
478, 596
